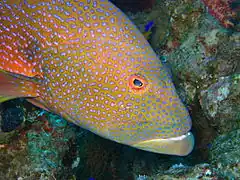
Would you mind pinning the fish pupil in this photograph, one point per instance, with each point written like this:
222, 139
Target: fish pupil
137, 82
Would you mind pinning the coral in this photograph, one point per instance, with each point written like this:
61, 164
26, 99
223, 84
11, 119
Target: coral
185, 18
221, 103
171, 24
204, 61
204, 57
12, 156
158, 34
36, 149
47, 148
12, 115
221, 10
142, 177
221, 52
202, 171
225, 154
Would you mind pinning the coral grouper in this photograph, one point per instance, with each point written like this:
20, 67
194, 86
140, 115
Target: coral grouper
86, 61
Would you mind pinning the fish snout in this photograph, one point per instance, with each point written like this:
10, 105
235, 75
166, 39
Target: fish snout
180, 146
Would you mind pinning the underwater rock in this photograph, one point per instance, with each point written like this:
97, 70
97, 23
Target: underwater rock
133, 5
204, 60
223, 11
202, 171
14, 160
12, 115
200, 64
206, 56
221, 52
158, 34
225, 154
173, 21
11, 118
221, 103
38, 148
185, 18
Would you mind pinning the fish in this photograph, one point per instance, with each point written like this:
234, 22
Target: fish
88, 63
147, 30
149, 26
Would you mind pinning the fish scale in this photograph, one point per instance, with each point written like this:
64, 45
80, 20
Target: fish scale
90, 64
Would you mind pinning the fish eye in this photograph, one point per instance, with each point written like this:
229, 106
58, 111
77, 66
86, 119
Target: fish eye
137, 83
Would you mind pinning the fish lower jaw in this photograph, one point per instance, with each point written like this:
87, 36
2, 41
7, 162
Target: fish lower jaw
179, 146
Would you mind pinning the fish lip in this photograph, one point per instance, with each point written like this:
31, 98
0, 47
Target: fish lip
178, 138
179, 146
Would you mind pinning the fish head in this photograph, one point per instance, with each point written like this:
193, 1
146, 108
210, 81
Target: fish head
146, 111
134, 100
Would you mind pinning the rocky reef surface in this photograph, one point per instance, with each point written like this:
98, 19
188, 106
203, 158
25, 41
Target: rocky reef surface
203, 56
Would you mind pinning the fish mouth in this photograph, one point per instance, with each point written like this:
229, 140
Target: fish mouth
180, 146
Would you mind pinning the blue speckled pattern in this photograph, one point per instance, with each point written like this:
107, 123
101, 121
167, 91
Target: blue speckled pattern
88, 56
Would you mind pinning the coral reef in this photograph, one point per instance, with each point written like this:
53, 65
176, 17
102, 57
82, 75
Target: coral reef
205, 67
36, 150
221, 103
225, 154
12, 115
200, 54
221, 9
172, 24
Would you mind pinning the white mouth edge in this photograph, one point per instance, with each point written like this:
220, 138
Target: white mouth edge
180, 146
178, 138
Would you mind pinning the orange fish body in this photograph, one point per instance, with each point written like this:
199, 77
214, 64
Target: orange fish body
87, 62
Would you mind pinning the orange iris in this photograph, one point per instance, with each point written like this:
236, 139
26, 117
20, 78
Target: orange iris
138, 83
